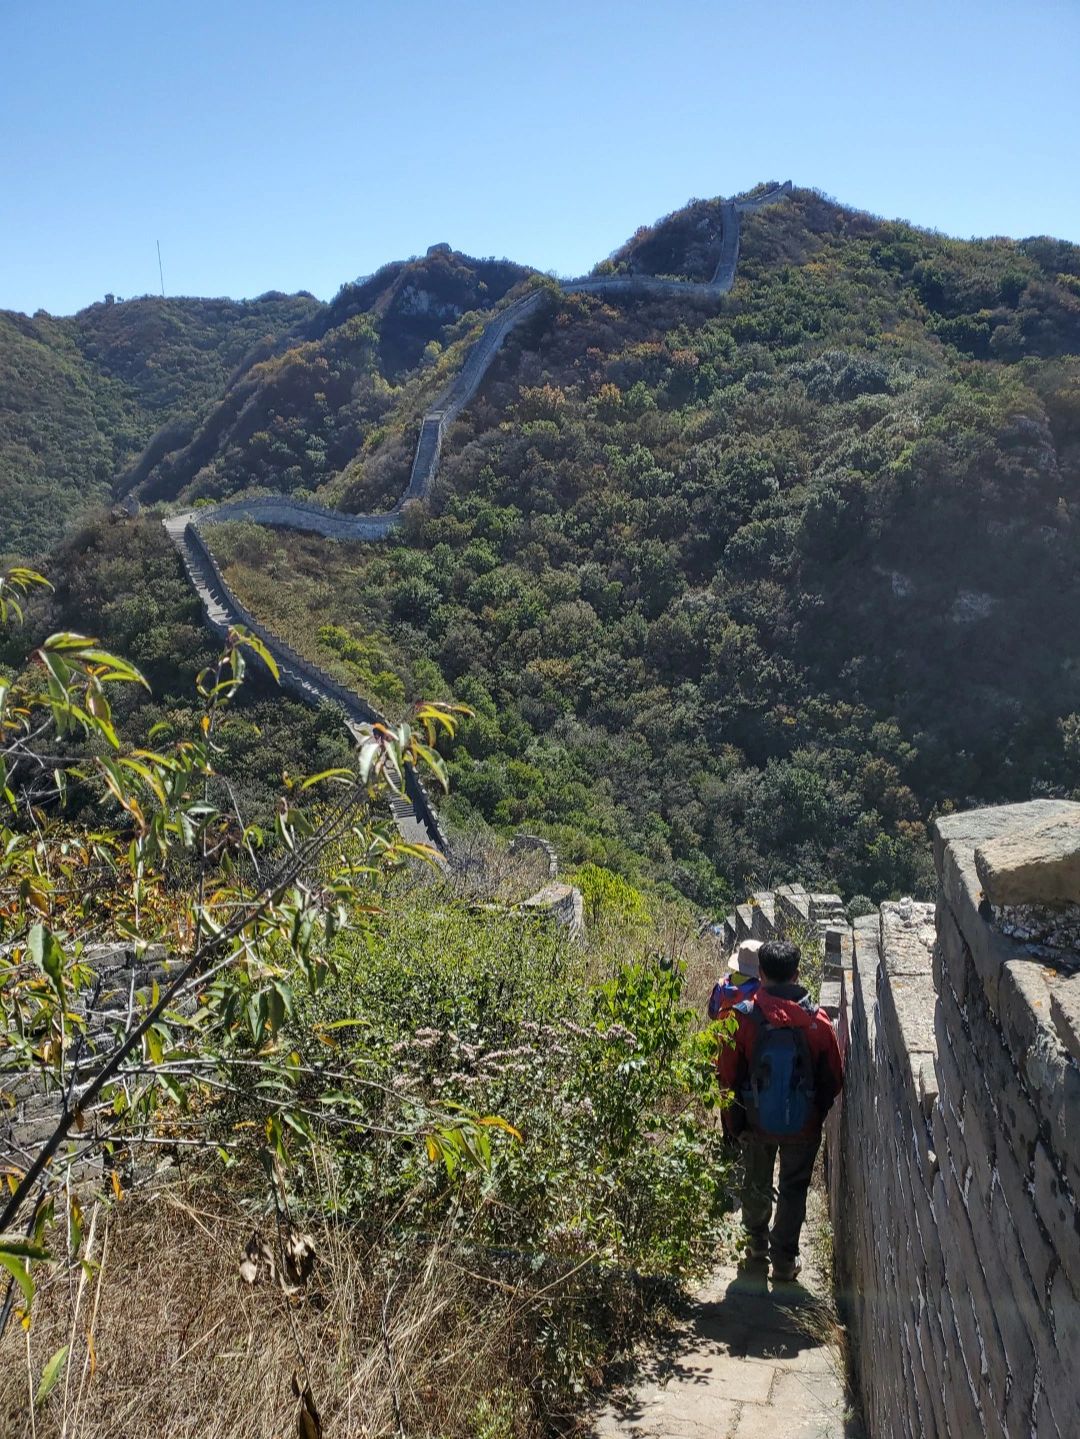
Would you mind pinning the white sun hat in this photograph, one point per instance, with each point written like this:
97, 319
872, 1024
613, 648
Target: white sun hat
745, 958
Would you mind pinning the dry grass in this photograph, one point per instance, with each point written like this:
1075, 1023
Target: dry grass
167, 1339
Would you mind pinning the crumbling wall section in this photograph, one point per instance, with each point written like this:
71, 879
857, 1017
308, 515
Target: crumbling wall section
955, 1159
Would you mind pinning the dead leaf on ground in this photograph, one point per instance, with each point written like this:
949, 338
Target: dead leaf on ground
299, 1255
256, 1253
308, 1423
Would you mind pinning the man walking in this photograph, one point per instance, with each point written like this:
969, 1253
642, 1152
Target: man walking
784, 1071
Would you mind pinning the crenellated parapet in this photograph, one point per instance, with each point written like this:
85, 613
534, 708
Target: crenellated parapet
792, 911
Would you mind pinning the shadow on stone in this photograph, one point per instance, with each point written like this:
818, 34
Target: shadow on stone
785, 1326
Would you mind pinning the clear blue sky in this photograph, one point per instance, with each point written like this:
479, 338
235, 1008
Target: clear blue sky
296, 146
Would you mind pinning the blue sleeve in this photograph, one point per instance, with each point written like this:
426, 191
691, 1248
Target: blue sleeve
716, 999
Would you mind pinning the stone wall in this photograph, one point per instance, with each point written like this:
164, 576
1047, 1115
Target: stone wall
319, 519
221, 606
791, 911
303, 515
954, 1157
414, 814
32, 1101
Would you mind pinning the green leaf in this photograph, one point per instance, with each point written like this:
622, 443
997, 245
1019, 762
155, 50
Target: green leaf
327, 774
50, 1374
46, 953
24, 1248
154, 1047
245, 637
297, 1123
68, 640
113, 667
19, 1272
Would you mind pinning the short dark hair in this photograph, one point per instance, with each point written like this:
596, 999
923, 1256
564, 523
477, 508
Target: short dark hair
779, 960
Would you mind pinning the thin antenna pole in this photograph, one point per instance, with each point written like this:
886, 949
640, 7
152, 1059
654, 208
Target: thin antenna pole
161, 272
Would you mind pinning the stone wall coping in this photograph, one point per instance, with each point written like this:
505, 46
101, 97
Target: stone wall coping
1031, 1005
905, 989
1036, 864
970, 827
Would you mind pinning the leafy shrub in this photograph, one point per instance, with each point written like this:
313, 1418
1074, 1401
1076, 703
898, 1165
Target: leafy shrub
568, 1138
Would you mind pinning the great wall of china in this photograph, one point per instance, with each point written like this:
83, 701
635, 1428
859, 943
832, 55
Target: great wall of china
414, 815
953, 1158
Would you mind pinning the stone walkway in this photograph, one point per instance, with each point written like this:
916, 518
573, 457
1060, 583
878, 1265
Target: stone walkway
747, 1360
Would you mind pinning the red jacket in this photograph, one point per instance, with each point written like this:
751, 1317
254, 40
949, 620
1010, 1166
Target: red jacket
782, 1004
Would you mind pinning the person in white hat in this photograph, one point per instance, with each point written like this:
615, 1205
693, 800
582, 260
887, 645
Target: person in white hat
741, 982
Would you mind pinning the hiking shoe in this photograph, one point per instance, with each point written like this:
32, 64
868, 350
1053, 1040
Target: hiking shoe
786, 1271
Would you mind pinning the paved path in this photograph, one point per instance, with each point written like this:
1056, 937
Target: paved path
747, 1361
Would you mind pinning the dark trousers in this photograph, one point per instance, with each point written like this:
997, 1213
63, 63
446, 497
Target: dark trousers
796, 1166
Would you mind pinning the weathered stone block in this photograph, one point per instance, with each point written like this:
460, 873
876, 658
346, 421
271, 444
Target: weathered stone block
1015, 1269
907, 937
1045, 1423
1058, 1213
561, 903
1023, 1006
1034, 864
911, 1004
1065, 1314
931, 1349
972, 827
961, 1405
1065, 1012
829, 997
970, 1246
979, 1147
951, 956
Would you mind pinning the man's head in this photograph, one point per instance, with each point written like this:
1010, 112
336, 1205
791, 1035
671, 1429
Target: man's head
779, 961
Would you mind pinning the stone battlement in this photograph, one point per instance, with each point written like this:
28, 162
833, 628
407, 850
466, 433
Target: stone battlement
954, 1156
792, 909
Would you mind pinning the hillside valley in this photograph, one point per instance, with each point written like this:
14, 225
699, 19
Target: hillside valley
81, 396
741, 587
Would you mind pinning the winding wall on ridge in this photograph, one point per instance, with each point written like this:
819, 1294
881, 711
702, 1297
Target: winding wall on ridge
299, 675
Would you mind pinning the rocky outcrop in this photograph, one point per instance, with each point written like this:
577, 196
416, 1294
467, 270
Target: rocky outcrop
954, 1156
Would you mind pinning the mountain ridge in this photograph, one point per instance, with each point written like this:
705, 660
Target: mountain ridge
741, 590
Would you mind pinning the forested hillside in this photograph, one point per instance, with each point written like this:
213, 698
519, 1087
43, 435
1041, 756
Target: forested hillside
351, 387
80, 397
740, 588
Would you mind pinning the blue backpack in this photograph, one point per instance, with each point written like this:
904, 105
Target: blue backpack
779, 1093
